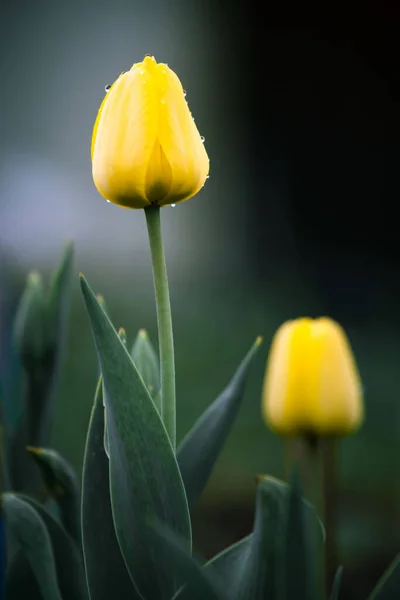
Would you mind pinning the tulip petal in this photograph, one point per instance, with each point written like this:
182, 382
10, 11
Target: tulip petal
124, 137
179, 139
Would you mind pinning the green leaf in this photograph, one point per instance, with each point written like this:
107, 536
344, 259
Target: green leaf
258, 576
58, 302
198, 452
29, 324
32, 535
62, 484
145, 481
106, 572
301, 550
336, 584
199, 583
67, 556
388, 587
267, 563
146, 361
20, 579
230, 560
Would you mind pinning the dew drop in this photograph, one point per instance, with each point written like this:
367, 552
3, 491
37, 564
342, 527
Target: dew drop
203, 139
207, 177
173, 205
184, 93
109, 201
107, 88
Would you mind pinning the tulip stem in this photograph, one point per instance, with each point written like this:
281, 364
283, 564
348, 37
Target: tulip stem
164, 322
322, 491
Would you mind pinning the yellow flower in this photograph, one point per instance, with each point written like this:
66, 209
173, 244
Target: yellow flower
312, 385
146, 148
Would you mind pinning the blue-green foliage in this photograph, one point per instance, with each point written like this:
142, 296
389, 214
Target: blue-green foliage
127, 533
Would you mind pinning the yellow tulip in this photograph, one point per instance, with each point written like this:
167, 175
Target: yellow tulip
146, 149
312, 385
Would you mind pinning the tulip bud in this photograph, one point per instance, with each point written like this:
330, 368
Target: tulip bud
146, 149
29, 328
312, 385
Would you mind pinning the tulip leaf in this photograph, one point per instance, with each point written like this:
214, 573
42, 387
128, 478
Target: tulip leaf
198, 582
336, 584
20, 579
388, 586
62, 484
199, 450
230, 560
41, 375
145, 482
302, 525
31, 534
68, 559
106, 572
260, 574
146, 361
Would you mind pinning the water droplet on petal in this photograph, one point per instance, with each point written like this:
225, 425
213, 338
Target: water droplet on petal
141, 71
203, 139
109, 201
207, 177
173, 205
184, 92
107, 88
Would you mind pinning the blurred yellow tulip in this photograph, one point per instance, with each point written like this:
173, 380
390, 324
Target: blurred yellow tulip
312, 385
146, 149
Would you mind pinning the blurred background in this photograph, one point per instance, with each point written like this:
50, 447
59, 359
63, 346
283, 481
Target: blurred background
299, 107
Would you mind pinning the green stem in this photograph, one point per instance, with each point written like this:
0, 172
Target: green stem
323, 490
164, 321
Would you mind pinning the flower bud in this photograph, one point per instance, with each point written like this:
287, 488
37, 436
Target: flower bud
312, 385
29, 325
146, 149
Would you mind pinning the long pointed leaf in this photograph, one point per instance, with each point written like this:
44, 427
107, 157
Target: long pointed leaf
262, 576
145, 481
336, 584
62, 484
198, 452
230, 560
68, 559
106, 573
200, 584
32, 535
20, 580
300, 553
388, 587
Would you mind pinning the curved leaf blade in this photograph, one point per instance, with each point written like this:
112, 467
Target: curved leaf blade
266, 564
146, 361
106, 573
68, 559
199, 450
198, 583
388, 587
145, 481
229, 562
300, 575
32, 535
20, 580
62, 484
337, 582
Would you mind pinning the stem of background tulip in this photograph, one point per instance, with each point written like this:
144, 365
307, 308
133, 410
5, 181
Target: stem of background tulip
320, 464
164, 321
